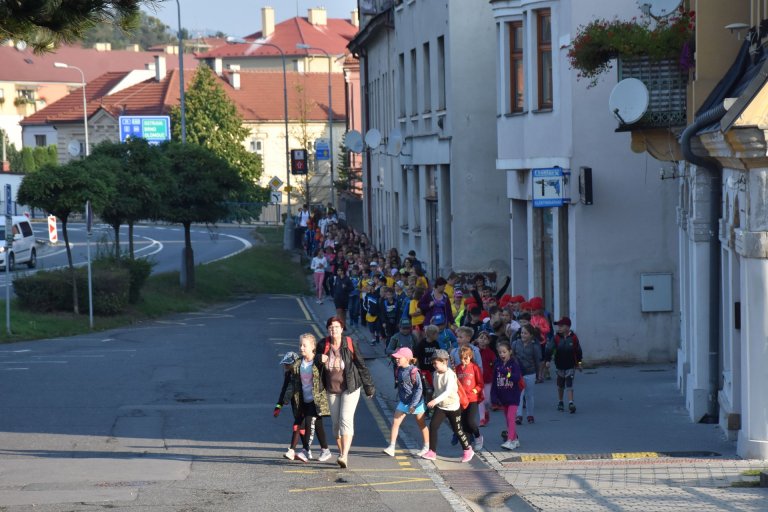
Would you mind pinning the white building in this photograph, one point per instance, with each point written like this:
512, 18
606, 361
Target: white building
426, 71
611, 266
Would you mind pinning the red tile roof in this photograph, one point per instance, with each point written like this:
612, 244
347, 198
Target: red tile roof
260, 97
25, 66
333, 38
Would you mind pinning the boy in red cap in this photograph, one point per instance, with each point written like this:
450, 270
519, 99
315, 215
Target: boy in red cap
567, 355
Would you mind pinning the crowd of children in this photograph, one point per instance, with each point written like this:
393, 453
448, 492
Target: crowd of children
458, 353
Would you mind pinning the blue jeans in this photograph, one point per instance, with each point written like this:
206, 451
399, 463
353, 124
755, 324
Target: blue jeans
354, 310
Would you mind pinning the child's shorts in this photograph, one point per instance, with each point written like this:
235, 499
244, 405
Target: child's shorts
565, 378
420, 409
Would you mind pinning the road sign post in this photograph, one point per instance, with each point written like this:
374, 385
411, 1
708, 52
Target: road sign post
8, 244
89, 226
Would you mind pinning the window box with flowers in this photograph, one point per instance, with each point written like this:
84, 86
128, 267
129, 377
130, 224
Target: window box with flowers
600, 41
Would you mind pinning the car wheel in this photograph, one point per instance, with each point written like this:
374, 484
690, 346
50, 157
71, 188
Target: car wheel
32, 263
12, 262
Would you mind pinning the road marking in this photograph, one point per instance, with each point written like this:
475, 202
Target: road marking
357, 471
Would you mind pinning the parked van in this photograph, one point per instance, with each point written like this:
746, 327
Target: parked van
23, 248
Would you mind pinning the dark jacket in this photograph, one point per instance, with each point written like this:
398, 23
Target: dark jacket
567, 353
341, 287
356, 374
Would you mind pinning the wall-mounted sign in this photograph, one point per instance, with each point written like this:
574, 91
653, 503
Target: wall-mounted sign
551, 187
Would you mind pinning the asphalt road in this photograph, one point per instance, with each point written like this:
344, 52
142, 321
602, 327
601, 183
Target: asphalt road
176, 415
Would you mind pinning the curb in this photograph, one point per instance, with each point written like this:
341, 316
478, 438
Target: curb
562, 457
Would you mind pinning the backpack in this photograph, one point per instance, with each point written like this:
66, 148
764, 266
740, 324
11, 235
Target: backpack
327, 346
426, 389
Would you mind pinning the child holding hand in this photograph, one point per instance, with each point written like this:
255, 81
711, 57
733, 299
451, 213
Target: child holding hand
446, 405
411, 396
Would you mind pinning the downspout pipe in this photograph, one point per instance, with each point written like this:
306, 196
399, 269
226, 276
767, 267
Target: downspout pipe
715, 170
713, 114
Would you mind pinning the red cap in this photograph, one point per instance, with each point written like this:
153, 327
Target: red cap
518, 298
564, 321
536, 303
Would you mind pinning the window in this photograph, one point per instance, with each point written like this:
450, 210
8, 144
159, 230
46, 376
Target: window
401, 82
516, 68
414, 82
40, 141
441, 73
257, 146
544, 47
427, 79
26, 94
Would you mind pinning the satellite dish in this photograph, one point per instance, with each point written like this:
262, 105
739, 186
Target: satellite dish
662, 8
629, 100
373, 138
73, 147
21, 45
353, 141
394, 143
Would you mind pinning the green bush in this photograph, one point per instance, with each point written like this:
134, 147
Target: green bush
138, 269
52, 291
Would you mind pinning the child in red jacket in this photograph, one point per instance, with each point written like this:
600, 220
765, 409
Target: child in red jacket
488, 356
470, 378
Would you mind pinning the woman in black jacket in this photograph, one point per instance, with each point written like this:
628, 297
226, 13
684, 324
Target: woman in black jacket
345, 373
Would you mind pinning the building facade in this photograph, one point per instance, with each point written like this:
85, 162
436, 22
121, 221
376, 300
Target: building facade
591, 262
430, 183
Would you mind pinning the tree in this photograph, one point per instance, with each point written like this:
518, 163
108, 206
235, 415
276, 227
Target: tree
61, 190
200, 185
45, 24
213, 122
140, 170
148, 32
306, 137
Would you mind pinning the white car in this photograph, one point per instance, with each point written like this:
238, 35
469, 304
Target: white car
23, 247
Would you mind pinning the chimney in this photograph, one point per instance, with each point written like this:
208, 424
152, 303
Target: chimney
133, 48
234, 77
355, 18
218, 66
159, 68
317, 16
267, 21
103, 47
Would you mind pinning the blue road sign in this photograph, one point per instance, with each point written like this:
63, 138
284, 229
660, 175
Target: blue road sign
8, 200
322, 150
154, 129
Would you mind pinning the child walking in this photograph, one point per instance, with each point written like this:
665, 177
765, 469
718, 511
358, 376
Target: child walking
287, 363
410, 394
505, 390
309, 392
318, 266
488, 356
567, 356
470, 378
446, 405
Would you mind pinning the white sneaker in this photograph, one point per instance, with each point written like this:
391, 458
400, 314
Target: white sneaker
302, 456
325, 454
290, 454
478, 444
389, 450
510, 444
421, 452
309, 455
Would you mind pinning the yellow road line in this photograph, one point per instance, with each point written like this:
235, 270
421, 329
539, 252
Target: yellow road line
335, 487
542, 457
635, 455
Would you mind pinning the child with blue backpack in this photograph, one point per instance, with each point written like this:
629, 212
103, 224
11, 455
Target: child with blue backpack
410, 393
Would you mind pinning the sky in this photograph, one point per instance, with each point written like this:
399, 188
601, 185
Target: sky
239, 17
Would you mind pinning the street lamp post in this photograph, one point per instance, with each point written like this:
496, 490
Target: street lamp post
181, 79
288, 233
85, 103
330, 113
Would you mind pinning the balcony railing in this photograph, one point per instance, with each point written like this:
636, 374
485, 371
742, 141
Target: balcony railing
666, 83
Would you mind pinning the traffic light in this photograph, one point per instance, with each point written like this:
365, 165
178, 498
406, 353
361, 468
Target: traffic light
298, 161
